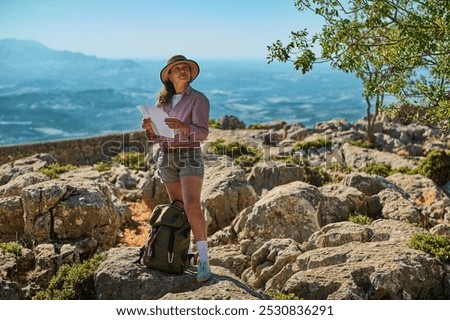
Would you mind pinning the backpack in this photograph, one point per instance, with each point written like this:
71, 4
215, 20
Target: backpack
167, 244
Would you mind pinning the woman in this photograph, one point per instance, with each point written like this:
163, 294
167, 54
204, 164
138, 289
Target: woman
180, 162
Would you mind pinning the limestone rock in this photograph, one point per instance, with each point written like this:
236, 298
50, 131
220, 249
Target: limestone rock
333, 125
369, 184
230, 123
230, 258
426, 195
362, 262
36, 161
294, 238
69, 210
153, 191
397, 207
14, 186
353, 199
268, 260
358, 158
285, 212
10, 290
265, 177
297, 133
118, 278
122, 177
11, 218
225, 193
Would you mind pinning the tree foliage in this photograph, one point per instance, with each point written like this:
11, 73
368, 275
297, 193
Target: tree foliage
396, 47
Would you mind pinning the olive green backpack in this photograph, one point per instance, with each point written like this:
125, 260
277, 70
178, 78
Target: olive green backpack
167, 245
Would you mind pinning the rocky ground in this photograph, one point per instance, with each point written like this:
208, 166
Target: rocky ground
135, 231
273, 227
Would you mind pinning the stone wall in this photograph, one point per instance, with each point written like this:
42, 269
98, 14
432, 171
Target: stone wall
82, 151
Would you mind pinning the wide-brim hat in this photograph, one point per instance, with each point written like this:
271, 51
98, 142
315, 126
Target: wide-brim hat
195, 69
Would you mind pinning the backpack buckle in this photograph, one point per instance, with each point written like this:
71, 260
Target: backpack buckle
170, 256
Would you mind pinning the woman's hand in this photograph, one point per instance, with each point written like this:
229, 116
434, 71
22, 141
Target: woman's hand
174, 123
147, 125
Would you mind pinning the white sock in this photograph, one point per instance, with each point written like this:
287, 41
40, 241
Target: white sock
202, 247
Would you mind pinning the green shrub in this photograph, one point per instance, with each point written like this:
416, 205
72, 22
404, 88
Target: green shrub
290, 160
360, 219
214, 124
258, 126
282, 296
232, 149
313, 144
11, 247
379, 169
406, 170
72, 282
103, 166
437, 245
385, 169
247, 161
340, 167
436, 166
53, 170
134, 160
362, 144
242, 155
317, 176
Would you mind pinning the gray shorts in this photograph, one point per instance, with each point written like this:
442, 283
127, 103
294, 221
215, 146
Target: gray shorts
177, 163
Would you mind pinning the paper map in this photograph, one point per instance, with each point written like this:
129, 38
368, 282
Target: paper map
157, 115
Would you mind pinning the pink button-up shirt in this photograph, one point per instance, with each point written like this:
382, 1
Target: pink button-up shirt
193, 109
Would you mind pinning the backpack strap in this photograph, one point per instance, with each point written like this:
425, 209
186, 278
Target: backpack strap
150, 246
170, 245
141, 254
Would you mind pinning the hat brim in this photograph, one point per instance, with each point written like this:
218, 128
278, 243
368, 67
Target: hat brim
195, 69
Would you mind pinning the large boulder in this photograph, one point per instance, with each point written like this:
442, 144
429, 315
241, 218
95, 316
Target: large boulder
295, 210
358, 158
34, 162
11, 218
398, 207
32, 270
225, 193
153, 191
14, 186
60, 210
348, 261
369, 184
228, 122
230, 257
270, 259
266, 176
426, 195
118, 278
353, 199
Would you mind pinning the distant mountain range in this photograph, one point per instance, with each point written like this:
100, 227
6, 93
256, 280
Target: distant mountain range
47, 94
29, 64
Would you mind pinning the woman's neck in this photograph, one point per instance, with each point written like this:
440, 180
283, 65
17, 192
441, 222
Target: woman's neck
180, 88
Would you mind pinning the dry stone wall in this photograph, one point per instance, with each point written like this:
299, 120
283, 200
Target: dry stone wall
80, 151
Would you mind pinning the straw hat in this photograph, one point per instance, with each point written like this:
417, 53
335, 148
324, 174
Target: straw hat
195, 69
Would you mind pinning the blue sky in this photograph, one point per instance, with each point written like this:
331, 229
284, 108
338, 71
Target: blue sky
154, 28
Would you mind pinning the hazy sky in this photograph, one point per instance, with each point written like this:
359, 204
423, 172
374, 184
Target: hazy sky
154, 28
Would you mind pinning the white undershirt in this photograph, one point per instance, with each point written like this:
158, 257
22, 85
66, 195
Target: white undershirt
175, 99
